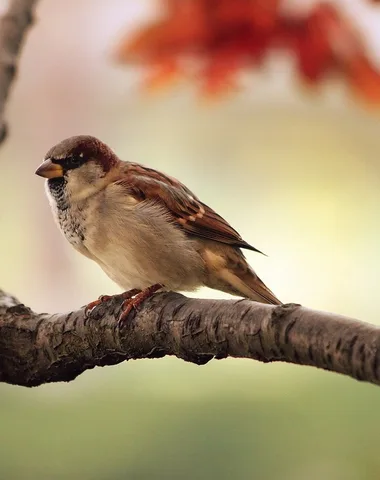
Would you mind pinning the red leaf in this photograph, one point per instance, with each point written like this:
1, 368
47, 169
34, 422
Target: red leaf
219, 75
225, 36
265, 14
314, 51
365, 80
162, 74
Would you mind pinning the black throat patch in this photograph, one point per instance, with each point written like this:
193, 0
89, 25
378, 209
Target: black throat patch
58, 191
71, 218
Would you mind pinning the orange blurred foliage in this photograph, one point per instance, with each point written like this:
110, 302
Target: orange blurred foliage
212, 40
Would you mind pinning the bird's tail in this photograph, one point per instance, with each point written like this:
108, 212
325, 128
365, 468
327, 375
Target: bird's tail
257, 290
247, 284
230, 272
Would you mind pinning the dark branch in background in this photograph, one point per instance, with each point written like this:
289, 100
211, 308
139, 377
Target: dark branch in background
41, 348
13, 26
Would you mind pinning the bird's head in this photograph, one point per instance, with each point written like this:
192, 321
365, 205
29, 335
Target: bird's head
79, 164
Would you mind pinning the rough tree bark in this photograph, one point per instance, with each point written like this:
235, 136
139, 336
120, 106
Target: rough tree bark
13, 26
42, 348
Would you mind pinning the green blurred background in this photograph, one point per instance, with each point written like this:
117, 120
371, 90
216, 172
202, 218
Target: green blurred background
297, 174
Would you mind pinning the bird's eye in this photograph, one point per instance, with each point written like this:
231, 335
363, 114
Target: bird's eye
72, 162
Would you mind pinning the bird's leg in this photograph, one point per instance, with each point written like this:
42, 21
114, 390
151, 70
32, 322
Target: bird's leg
137, 300
104, 298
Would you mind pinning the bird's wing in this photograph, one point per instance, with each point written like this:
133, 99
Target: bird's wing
187, 210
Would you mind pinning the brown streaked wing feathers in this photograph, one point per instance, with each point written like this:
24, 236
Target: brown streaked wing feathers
192, 215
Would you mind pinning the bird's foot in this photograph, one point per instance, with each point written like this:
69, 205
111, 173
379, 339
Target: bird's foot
136, 300
95, 303
104, 298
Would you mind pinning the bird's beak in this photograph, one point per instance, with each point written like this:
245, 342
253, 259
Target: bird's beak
48, 169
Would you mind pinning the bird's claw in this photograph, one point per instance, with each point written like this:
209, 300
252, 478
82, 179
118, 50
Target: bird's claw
136, 300
90, 307
104, 298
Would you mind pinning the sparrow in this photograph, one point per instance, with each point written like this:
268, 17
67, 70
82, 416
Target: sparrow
145, 229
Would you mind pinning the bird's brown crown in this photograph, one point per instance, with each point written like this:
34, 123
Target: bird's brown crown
75, 151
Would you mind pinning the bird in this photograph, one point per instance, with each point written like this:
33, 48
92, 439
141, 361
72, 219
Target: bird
145, 229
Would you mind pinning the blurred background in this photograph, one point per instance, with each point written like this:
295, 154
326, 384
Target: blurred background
287, 153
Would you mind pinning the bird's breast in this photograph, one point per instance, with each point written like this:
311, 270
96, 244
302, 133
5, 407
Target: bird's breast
138, 246
71, 218
72, 224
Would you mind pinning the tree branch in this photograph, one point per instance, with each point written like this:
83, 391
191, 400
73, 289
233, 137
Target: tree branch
13, 26
41, 348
